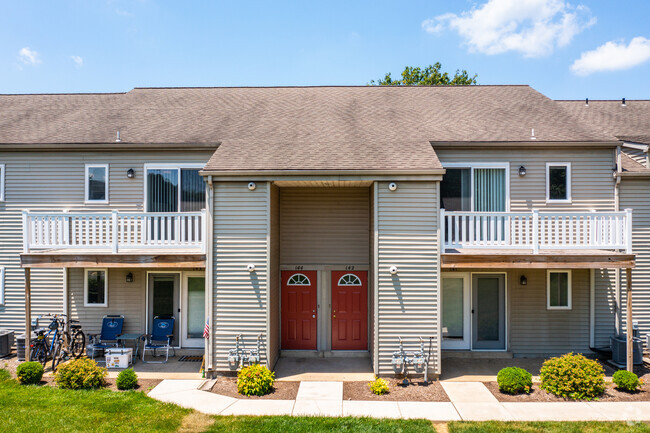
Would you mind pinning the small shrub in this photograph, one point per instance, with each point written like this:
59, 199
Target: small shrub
255, 380
127, 379
573, 376
626, 380
82, 373
4, 374
379, 386
30, 373
514, 380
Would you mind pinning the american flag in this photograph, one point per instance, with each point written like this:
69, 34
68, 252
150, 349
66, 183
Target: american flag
206, 330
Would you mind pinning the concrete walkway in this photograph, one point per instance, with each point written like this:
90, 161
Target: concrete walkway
470, 401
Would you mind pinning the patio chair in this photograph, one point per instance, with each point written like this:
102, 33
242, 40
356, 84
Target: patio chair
161, 338
112, 325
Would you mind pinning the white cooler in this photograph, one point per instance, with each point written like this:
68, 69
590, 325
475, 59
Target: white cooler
118, 357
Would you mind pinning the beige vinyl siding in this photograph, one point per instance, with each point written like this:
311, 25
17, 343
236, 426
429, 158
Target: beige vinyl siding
635, 194
54, 181
324, 226
372, 314
604, 306
241, 237
534, 330
637, 155
274, 279
592, 183
407, 238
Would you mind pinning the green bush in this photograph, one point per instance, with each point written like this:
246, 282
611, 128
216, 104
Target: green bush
626, 380
379, 386
573, 376
514, 380
255, 380
82, 373
127, 379
4, 374
30, 373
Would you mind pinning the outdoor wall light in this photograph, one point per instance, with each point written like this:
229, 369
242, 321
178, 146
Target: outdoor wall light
393, 270
392, 186
130, 173
523, 280
129, 277
251, 268
251, 186
522, 171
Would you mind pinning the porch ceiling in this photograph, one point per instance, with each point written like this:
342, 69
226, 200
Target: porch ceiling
547, 259
54, 259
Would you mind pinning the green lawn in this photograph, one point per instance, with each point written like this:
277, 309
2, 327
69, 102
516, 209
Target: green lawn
547, 427
250, 424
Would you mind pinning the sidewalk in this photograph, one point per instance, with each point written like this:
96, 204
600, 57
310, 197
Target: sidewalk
470, 401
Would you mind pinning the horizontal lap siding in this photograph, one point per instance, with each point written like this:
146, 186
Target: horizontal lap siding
324, 226
604, 306
53, 181
635, 194
536, 330
240, 238
407, 238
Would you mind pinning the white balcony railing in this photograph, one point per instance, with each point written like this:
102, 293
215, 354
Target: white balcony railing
114, 231
537, 230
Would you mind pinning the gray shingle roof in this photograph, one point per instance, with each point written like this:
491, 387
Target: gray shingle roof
298, 128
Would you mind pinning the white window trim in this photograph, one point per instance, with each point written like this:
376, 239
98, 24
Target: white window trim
548, 289
2, 182
289, 283
86, 191
474, 165
568, 181
168, 166
2, 285
105, 304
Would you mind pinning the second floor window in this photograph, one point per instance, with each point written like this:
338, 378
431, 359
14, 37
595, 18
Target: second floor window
174, 189
96, 183
477, 188
558, 182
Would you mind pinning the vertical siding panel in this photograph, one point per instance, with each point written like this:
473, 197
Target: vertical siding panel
407, 238
240, 238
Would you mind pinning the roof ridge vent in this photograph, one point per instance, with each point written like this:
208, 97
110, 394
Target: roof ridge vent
118, 139
532, 134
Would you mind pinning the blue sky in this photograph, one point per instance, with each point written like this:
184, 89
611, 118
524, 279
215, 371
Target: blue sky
113, 46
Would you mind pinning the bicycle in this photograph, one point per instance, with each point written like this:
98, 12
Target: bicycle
41, 348
77, 342
62, 345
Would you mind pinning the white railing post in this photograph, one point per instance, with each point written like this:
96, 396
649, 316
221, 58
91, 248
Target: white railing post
26, 224
535, 231
628, 231
204, 230
443, 241
115, 230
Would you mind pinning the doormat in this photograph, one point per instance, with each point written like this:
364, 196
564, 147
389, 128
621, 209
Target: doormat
192, 358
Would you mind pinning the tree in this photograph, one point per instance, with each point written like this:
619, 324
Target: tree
429, 76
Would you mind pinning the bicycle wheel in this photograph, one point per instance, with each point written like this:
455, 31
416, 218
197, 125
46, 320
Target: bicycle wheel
78, 344
38, 354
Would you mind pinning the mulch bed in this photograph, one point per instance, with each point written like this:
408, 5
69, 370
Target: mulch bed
281, 390
144, 385
415, 391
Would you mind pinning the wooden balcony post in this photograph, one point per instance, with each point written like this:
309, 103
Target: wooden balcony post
115, 228
630, 340
535, 231
28, 312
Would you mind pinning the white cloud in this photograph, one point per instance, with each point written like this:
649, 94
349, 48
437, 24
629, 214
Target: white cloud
613, 56
532, 27
78, 60
28, 56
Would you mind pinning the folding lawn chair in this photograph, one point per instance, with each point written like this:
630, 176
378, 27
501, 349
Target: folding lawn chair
161, 338
112, 325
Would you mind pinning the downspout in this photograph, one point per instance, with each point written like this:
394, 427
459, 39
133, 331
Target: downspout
209, 272
439, 285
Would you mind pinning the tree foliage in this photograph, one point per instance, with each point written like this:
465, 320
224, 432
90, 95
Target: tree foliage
429, 76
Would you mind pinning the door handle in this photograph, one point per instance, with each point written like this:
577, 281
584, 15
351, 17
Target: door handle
334, 316
313, 316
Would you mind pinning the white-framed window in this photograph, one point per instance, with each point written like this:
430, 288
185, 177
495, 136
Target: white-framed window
96, 288
476, 187
174, 188
2, 182
558, 290
96, 183
558, 182
299, 280
2, 285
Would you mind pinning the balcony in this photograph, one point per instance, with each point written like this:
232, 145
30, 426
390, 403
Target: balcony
535, 239
114, 232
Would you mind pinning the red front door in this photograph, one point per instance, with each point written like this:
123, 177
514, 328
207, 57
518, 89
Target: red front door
298, 310
349, 310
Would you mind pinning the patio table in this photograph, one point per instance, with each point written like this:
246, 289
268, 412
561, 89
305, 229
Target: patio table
134, 338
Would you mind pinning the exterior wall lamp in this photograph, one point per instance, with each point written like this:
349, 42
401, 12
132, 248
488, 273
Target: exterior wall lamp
129, 277
522, 171
523, 280
130, 173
